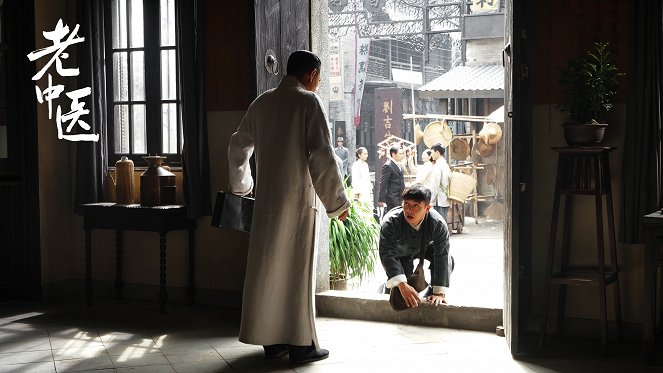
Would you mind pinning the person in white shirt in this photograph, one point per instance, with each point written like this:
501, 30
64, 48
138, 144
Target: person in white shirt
423, 171
439, 180
362, 187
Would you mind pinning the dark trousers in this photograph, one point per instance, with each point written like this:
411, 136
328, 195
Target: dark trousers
442, 211
408, 263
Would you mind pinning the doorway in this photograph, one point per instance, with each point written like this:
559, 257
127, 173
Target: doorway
20, 272
451, 75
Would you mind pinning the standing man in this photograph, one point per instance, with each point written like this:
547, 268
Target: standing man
391, 180
344, 154
277, 303
440, 175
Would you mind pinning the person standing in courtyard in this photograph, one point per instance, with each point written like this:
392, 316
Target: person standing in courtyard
424, 170
392, 182
288, 121
361, 177
344, 154
439, 181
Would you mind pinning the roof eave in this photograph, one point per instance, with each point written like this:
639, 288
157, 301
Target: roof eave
491, 93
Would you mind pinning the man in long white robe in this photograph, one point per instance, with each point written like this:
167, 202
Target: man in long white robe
287, 129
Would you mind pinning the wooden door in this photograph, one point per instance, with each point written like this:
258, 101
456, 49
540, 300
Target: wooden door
518, 212
282, 27
19, 187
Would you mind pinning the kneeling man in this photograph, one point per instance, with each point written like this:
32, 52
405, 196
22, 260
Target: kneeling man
400, 240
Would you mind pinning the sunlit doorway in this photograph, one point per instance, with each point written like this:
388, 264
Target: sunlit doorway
445, 57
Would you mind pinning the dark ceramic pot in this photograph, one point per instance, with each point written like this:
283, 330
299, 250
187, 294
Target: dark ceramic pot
584, 134
157, 185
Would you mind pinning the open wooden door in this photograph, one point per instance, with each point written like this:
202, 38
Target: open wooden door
282, 27
517, 201
20, 270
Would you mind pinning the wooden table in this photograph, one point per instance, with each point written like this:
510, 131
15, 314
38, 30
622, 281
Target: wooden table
160, 219
653, 226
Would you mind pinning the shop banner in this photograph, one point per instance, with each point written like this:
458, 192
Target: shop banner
361, 65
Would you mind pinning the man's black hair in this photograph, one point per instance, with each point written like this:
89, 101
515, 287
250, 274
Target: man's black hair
417, 193
438, 148
393, 150
301, 62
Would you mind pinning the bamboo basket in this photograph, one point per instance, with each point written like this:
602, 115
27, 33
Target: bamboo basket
461, 186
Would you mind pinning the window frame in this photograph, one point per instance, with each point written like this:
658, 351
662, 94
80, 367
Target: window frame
153, 101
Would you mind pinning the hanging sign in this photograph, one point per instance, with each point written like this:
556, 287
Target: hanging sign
361, 66
388, 113
484, 6
335, 70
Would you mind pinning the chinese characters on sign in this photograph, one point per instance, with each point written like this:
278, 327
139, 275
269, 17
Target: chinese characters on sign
388, 113
335, 70
481, 6
361, 62
51, 92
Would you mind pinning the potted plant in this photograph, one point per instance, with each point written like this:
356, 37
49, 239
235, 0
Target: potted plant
353, 244
588, 85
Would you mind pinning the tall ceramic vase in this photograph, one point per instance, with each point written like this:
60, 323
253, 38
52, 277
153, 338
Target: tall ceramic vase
124, 184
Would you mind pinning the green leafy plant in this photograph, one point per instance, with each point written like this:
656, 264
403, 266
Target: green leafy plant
353, 243
588, 84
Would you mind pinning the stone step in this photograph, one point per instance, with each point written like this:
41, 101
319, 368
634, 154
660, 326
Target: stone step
375, 307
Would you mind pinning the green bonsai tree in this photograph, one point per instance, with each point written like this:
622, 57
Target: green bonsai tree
588, 85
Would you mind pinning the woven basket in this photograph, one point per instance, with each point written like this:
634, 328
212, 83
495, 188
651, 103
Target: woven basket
460, 186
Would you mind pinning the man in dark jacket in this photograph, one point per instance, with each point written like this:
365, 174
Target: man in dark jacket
391, 181
400, 239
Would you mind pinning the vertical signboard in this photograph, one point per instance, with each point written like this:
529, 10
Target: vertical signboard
388, 122
335, 70
484, 6
388, 113
362, 46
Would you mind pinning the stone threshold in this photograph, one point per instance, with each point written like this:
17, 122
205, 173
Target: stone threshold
375, 307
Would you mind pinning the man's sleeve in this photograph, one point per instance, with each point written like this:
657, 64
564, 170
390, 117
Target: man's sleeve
384, 182
435, 175
240, 150
322, 163
441, 258
444, 179
388, 254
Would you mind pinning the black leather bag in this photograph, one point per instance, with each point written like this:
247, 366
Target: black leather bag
417, 279
232, 212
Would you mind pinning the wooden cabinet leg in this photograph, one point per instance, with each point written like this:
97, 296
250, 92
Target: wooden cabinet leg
88, 267
119, 248
163, 293
192, 287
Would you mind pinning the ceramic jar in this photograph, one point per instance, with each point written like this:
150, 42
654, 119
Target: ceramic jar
157, 185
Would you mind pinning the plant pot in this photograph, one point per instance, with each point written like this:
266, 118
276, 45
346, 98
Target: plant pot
584, 134
338, 284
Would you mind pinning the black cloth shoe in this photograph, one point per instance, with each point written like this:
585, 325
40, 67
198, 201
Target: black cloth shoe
274, 351
307, 354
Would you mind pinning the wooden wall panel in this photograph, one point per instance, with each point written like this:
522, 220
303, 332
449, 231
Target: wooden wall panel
564, 29
230, 82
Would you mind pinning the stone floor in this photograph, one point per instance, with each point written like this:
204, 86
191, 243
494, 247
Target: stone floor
124, 336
